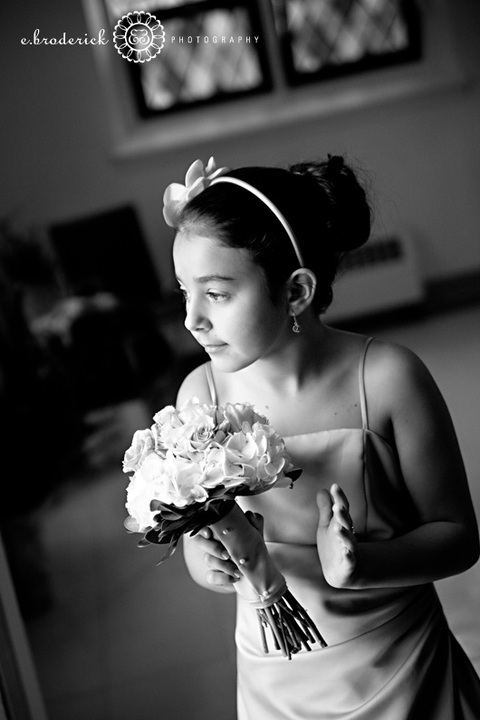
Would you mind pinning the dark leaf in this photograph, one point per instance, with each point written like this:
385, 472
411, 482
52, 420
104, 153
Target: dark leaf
294, 474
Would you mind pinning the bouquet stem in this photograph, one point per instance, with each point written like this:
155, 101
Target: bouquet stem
264, 587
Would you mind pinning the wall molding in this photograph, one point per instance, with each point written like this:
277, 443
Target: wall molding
453, 292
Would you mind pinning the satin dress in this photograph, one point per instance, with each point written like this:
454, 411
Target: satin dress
390, 654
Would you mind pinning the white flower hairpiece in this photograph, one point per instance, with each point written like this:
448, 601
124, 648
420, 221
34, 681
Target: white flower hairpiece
198, 178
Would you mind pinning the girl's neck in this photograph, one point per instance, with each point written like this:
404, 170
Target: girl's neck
292, 366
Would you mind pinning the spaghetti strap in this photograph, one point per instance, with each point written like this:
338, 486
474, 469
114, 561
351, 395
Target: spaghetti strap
361, 384
211, 383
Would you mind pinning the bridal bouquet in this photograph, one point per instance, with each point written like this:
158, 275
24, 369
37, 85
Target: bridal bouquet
188, 468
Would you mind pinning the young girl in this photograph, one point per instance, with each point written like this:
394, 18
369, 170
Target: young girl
382, 507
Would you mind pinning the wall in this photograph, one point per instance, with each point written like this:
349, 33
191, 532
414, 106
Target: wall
423, 153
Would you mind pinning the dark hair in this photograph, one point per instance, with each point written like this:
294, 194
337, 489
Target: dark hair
322, 201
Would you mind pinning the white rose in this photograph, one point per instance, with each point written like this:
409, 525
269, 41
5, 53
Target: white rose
239, 413
182, 482
143, 442
144, 486
194, 428
222, 467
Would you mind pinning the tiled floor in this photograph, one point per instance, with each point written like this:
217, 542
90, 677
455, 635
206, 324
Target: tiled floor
125, 639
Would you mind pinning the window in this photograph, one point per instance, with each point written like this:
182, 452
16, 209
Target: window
200, 64
327, 38
218, 51
311, 59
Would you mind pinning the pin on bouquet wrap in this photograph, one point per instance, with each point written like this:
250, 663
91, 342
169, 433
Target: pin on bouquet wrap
188, 468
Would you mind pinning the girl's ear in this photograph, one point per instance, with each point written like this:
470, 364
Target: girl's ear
300, 290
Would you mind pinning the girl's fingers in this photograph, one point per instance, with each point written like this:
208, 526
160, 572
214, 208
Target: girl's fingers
339, 496
324, 502
222, 567
347, 536
220, 579
222, 571
210, 545
341, 508
342, 516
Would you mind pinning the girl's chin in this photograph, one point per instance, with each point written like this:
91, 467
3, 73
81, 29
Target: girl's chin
228, 364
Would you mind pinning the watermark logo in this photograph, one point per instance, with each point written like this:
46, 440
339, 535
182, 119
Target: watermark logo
139, 37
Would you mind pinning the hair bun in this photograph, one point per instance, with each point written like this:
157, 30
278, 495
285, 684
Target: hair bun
347, 209
335, 163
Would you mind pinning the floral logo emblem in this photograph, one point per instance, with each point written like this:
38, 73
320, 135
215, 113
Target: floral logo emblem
139, 37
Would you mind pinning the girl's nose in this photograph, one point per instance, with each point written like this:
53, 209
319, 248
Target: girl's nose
194, 319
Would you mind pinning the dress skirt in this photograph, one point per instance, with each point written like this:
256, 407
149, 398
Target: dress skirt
390, 656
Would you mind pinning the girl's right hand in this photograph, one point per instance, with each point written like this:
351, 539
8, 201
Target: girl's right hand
222, 571
336, 541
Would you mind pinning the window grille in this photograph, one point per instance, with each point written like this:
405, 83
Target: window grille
298, 41
327, 38
211, 55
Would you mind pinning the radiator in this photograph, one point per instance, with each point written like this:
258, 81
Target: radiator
380, 276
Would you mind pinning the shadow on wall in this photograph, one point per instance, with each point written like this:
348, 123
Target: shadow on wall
79, 339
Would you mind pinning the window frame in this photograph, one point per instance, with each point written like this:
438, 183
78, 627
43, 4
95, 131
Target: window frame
20, 693
134, 136
189, 10
368, 63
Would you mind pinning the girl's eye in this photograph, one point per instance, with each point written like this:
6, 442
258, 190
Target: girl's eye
184, 293
216, 296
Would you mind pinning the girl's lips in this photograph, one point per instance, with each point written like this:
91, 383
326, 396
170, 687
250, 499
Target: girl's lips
214, 348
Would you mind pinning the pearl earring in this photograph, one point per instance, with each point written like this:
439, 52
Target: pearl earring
295, 327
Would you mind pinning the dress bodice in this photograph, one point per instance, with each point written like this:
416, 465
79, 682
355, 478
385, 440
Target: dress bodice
359, 460
365, 466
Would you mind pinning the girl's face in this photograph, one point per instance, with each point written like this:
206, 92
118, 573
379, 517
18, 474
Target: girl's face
228, 307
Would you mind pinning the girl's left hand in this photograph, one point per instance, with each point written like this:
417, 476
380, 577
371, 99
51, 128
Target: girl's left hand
336, 541
221, 570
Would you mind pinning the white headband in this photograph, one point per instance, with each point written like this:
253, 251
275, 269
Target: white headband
280, 217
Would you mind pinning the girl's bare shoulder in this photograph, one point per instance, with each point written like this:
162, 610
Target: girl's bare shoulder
195, 385
397, 377
384, 361
389, 358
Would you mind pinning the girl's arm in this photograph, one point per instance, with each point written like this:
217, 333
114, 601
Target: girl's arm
445, 542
